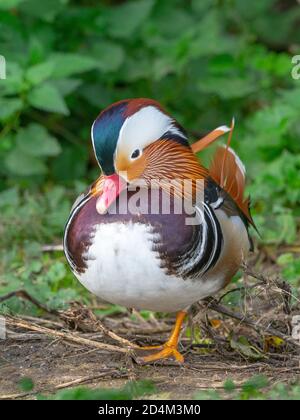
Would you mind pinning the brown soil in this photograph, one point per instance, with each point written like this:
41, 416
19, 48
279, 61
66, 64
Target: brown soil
54, 364
54, 351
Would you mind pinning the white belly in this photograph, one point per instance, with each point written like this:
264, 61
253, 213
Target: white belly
123, 269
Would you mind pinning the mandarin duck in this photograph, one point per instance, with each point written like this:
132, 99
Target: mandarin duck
157, 256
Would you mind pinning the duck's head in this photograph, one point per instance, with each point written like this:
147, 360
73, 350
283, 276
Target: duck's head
136, 139
122, 133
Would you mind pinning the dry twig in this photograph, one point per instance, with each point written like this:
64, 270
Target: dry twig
72, 337
212, 304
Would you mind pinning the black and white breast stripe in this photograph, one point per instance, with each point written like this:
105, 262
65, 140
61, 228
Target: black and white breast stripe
206, 246
78, 204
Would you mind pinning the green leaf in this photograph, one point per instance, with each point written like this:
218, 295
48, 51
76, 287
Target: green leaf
110, 56
285, 259
67, 64
124, 20
48, 98
8, 107
9, 197
229, 385
39, 72
35, 140
139, 388
56, 272
167, 16
129, 391
291, 272
286, 229
210, 42
26, 384
70, 164
245, 348
46, 9
18, 163
9, 4
67, 86
14, 82
228, 87
32, 249
256, 382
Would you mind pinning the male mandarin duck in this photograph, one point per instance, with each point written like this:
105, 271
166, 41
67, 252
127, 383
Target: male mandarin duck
157, 260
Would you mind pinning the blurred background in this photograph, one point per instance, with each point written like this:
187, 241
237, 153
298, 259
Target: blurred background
205, 61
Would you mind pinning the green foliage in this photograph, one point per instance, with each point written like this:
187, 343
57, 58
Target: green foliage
29, 220
26, 384
33, 145
48, 98
255, 388
130, 391
205, 61
290, 269
243, 347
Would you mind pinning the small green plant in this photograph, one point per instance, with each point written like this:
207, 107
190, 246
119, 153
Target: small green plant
255, 388
131, 390
26, 384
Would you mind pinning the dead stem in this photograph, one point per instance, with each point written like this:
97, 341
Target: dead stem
212, 304
71, 337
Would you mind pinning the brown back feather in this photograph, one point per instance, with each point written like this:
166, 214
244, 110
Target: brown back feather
227, 170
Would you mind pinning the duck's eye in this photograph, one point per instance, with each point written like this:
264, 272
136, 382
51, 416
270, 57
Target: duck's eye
135, 154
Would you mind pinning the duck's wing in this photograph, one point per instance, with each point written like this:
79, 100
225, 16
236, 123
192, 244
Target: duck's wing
228, 171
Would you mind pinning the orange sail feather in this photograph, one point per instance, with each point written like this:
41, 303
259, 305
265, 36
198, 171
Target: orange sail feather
209, 138
227, 169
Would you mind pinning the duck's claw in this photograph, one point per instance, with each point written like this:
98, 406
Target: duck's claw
169, 349
166, 352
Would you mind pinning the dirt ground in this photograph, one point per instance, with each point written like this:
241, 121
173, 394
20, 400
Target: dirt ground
53, 363
65, 349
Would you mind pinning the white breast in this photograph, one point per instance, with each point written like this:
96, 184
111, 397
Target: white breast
122, 268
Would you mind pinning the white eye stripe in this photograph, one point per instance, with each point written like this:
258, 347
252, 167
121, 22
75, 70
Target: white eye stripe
145, 126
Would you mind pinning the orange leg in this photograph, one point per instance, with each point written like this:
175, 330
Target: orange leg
170, 347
